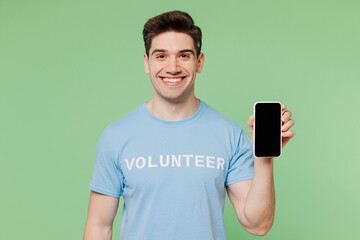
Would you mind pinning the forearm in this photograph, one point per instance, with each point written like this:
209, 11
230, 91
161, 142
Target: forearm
259, 206
95, 232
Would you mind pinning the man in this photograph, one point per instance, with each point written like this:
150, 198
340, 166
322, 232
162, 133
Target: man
173, 157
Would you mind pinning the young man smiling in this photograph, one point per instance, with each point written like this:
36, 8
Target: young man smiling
172, 65
173, 157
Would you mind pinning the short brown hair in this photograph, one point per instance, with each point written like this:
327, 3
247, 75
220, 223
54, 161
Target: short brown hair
176, 21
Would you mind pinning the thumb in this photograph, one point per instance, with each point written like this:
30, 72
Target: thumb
251, 124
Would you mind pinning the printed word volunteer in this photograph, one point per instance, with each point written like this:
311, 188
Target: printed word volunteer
176, 161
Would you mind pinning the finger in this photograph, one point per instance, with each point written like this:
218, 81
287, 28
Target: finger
286, 115
251, 121
283, 107
288, 125
288, 134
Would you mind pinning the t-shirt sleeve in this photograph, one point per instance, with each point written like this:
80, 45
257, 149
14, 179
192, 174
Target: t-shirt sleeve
241, 166
107, 177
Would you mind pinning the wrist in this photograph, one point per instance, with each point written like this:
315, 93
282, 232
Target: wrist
264, 160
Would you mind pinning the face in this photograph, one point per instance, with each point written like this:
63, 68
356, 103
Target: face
172, 65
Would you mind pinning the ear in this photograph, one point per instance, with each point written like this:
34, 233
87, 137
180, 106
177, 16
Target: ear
146, 64
200, 63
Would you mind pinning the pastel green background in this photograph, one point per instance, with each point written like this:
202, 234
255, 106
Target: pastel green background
70, 68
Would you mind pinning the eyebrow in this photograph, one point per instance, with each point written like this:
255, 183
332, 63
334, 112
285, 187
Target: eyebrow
181, 51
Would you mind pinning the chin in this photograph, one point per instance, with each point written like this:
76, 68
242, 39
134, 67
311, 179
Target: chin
173, 97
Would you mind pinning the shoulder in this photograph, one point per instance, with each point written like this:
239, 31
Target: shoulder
124, 125
225, 129
214, 117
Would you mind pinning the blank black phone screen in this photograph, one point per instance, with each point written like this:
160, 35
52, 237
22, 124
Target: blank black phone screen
267, 129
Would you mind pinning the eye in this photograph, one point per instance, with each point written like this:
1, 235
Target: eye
160, 56
185, 55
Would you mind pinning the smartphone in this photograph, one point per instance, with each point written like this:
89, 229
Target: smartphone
267, 129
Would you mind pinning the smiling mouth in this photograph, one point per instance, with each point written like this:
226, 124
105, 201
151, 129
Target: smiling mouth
172, 81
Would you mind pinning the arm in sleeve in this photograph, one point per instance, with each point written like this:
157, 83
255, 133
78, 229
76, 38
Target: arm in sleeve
107, 177
241, 166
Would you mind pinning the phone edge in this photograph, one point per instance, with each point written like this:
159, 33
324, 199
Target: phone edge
280, 128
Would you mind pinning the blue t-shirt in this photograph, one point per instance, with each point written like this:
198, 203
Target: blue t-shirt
172, 174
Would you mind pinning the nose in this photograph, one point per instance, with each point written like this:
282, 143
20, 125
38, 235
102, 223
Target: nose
173, 66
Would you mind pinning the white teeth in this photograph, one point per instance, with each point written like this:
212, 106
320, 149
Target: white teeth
172, 79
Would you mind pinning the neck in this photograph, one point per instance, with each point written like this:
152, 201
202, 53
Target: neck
173, 111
